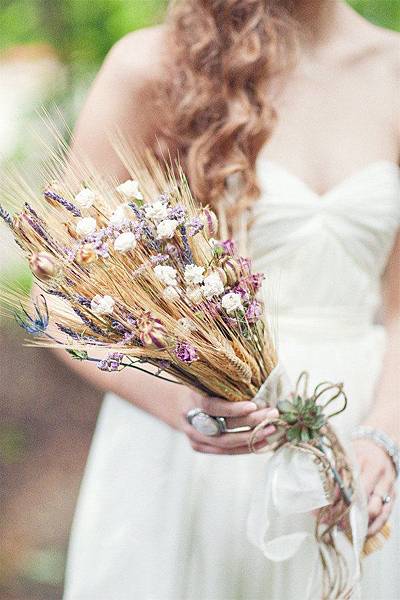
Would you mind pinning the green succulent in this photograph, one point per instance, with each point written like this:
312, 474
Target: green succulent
304, 418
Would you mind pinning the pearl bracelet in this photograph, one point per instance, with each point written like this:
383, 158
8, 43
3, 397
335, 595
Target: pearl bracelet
381, 439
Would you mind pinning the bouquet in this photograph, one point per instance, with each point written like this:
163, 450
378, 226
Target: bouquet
138, 271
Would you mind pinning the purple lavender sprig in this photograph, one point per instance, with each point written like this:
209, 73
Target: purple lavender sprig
155, 244
68, 205
187, 253
88, 321
5, 215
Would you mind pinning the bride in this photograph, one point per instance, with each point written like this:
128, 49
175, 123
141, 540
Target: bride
301, 98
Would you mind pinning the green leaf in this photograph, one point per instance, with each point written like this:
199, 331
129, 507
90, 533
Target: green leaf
305, 436
138, 202
285, 406
293, 434
77, 354
290, 418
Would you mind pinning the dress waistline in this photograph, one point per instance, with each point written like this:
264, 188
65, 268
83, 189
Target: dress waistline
332, 322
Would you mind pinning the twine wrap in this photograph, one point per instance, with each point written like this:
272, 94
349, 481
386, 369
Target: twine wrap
306, 477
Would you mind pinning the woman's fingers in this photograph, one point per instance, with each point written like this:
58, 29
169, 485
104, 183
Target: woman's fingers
253, 419
206, 449
377, 524
227, 440
216, 407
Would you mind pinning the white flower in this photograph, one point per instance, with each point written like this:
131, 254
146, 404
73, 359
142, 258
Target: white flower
170, 293
232, 302
130, 189
166, 274
119, 215
194, 274
102, 305
194, 295
156, 211
213, 242
166, 229
213, 286
124, 242
86, 226
186, 325
85, 198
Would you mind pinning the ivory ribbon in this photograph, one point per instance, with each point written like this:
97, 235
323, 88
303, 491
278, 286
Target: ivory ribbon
291, 489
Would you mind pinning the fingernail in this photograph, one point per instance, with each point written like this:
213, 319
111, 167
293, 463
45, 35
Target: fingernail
252, 406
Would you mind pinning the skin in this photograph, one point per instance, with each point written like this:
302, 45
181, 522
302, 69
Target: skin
346, 67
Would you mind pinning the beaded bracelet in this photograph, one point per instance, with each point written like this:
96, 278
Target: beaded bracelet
381, 439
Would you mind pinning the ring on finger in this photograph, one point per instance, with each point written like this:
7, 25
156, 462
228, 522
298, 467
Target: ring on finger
385, 498
211, 426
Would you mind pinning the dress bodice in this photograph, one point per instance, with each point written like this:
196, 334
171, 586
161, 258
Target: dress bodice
329, 251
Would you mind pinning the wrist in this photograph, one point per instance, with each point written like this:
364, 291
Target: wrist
381, 439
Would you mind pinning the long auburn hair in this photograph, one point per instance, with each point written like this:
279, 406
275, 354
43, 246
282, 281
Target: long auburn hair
217, 111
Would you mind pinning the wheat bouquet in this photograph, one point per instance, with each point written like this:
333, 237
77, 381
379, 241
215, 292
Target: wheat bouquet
139, 272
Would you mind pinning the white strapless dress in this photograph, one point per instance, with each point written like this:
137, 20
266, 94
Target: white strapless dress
157, 521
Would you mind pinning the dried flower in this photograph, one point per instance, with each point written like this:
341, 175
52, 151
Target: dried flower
213, 286
43, 265
166, 274
194, 295
210, 222
37, 324
254, 312
166, 229
170, 293
111, 363
232, 269
229, 247
130, 190
186, 353
5, 215
119, 217
178, 213
186, 325
194, 226
86, 254
85, 198
86, 226
156, 211
125, 241
151, 331
102, 305
54, 197
194, 274
232, 302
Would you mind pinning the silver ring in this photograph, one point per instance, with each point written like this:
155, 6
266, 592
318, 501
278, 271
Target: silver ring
210, 426
385, 498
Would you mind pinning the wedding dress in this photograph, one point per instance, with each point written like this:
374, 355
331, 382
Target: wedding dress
157, 521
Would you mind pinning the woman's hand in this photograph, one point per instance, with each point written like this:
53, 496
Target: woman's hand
378, 478
237, 414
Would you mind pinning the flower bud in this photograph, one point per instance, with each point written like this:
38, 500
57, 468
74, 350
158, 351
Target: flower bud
86, 255
232, 270
151, 331
43, 265
222, 275
210, 222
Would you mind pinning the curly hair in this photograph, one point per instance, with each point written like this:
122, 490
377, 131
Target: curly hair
217, 111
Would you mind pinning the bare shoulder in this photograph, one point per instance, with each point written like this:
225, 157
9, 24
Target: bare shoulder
137, 58
379, 44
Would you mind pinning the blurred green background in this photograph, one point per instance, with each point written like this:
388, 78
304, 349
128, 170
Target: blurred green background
49, 52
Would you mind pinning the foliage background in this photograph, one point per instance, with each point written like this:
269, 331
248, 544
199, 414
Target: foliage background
45, 427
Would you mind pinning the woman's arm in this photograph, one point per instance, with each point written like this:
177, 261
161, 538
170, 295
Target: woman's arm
377, 471
119, 99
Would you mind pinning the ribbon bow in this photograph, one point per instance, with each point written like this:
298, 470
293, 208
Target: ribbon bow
309, 498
